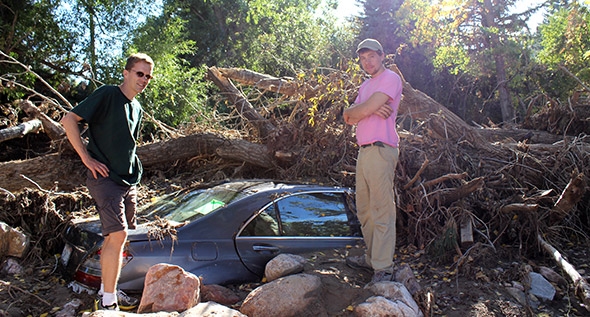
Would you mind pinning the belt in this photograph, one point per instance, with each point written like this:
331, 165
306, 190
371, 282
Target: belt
378, 143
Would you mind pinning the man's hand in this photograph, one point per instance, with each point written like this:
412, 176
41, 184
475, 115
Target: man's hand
96, 167
376, 104
384, 111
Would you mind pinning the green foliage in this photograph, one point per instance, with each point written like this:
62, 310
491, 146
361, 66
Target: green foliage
565, 43
30, 33
101, 29
565, 39
178, 90
273, 37
453, 58
379, 22
471, 46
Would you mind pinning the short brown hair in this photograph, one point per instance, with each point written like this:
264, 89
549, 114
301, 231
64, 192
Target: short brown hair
138, 57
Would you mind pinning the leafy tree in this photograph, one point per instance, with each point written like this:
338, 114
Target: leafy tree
478, 43
378, 21
30, 32
102, 28
565, 42
178, 91
274, 37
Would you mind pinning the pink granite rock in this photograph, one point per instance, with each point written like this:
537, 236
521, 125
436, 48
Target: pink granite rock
169, 288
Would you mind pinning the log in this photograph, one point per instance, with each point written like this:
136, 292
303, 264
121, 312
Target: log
439, 180
417, 175
248, 77
240, 150
582, 288
50, 172
65, 171
448, 197
54, 130
19, 131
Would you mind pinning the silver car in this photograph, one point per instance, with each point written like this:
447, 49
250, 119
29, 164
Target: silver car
224, 233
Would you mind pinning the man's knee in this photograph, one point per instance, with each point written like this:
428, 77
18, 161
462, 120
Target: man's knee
117, 237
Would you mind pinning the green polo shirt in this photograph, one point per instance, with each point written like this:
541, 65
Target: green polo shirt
113, 129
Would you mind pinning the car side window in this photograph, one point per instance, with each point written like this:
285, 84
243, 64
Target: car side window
316, 214
264, 225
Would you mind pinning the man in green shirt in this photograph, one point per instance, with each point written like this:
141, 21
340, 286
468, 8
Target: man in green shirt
114, 119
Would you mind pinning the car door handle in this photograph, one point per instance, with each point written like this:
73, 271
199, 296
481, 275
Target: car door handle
262, 248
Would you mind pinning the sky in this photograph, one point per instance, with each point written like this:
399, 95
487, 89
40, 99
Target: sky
347, 8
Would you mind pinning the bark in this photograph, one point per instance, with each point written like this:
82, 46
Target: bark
20, 130
65, 171
54, 130
455, 194
261, 81
49, 172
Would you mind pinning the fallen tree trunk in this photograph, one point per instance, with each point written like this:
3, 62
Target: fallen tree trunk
261, 81
66, 172
455, 194
581, 286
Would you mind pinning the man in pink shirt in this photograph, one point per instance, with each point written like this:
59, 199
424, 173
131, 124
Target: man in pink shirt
374, 113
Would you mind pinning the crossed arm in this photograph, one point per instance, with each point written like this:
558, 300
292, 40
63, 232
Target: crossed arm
376, 104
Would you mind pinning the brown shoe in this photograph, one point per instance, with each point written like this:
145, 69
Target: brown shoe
382, 276
358, 262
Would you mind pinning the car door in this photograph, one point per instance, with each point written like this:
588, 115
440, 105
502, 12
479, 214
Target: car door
298, 223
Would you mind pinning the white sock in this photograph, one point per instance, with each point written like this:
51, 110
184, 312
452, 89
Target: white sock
101, 289
109, 299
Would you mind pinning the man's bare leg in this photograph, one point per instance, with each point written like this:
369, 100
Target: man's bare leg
111, 260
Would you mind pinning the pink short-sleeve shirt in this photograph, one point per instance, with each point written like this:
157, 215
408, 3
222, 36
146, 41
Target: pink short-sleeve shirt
374, 128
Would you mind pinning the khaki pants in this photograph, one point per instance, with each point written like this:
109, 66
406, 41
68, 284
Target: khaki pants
375, 201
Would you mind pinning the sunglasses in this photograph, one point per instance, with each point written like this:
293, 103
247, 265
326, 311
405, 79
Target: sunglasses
142, 74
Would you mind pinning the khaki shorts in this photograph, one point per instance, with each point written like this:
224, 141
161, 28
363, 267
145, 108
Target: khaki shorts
116, 204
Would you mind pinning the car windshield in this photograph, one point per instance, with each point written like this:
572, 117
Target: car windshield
191, 204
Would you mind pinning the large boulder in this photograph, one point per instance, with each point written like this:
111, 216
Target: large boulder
290, 296
283, 265
169, 288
